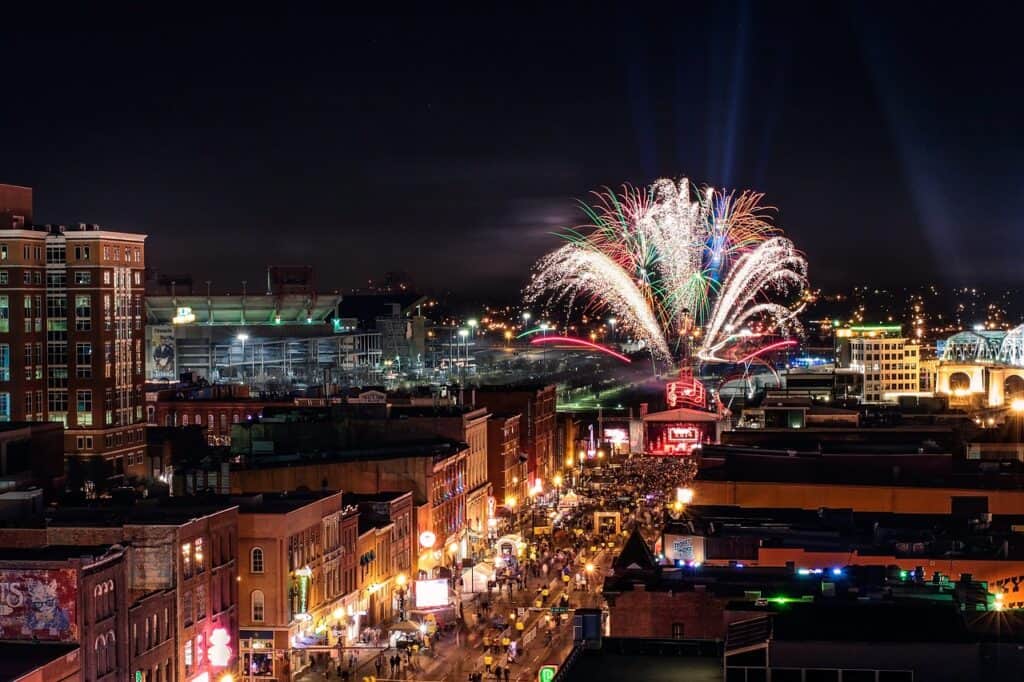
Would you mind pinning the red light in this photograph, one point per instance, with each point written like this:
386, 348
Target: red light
573, 341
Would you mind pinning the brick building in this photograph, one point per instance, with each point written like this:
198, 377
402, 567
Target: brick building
292, 582
71, 332
214, 408
183, 577
536, 405
87, 590
506, 465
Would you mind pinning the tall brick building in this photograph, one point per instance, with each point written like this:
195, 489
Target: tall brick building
71, 331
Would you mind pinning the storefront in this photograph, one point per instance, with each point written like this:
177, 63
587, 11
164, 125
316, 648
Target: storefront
263, 654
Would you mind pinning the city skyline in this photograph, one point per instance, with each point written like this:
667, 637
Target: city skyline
458, 136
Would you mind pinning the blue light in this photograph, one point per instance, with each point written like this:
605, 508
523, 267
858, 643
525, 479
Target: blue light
837, 571
739, 565
803, 571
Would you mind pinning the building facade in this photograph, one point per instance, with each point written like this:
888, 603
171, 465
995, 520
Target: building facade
292, 585
506, 469
71, 331
889, 362
536, 405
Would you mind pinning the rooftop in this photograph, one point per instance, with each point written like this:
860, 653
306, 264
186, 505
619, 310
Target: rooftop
54, 553
167, 511
18, 659
436, 449
384, 496
929, 536
279, 503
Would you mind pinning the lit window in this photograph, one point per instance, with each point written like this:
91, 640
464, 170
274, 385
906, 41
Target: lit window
257, 606
256, 560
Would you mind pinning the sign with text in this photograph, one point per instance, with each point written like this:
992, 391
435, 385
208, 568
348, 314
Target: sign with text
39, 604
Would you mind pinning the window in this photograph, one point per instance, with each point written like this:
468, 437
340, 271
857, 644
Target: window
81, 253
84, 406
257, 606
83, 277
188, 657
3, 277
200, 602
5, 407
3, 251
5, 362
184, 420
27, 277
55, 254
83, 360
83, 312
138, 278
5, 314
200, 559
37, 277
186, 608
256, 560
106, 276
186, 559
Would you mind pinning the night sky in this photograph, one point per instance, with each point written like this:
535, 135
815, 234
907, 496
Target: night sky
452, 145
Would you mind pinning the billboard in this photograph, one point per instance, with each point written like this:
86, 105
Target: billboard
160, 359
39, 605
431, 593
684, 548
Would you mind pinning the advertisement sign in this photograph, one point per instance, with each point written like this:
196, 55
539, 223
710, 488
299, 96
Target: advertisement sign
431, 593
160, 359
684, 548
39, 605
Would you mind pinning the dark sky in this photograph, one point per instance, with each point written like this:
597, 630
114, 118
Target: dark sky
451, 144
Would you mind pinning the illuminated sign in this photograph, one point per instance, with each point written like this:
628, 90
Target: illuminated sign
427, 539
616, 436
431, 593
684, 548
219, 653
546, 673
184, 316
685, 391
676, 439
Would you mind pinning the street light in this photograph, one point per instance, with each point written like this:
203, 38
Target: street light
526, 317
684, 495
1017, 405
557, 481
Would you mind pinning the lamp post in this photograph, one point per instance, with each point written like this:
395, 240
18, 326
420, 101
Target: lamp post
510, 504
401, 580
526, 318
242, 338
557, 481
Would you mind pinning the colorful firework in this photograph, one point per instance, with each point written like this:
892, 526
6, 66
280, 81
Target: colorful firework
665, 263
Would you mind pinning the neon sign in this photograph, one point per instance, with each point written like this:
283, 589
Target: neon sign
219, 653
685, 391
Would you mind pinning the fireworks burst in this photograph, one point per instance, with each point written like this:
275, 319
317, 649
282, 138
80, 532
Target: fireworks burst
667, 259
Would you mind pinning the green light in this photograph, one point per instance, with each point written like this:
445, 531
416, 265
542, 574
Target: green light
781, 600
876, 327
903, 575
535, 330
546, 673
